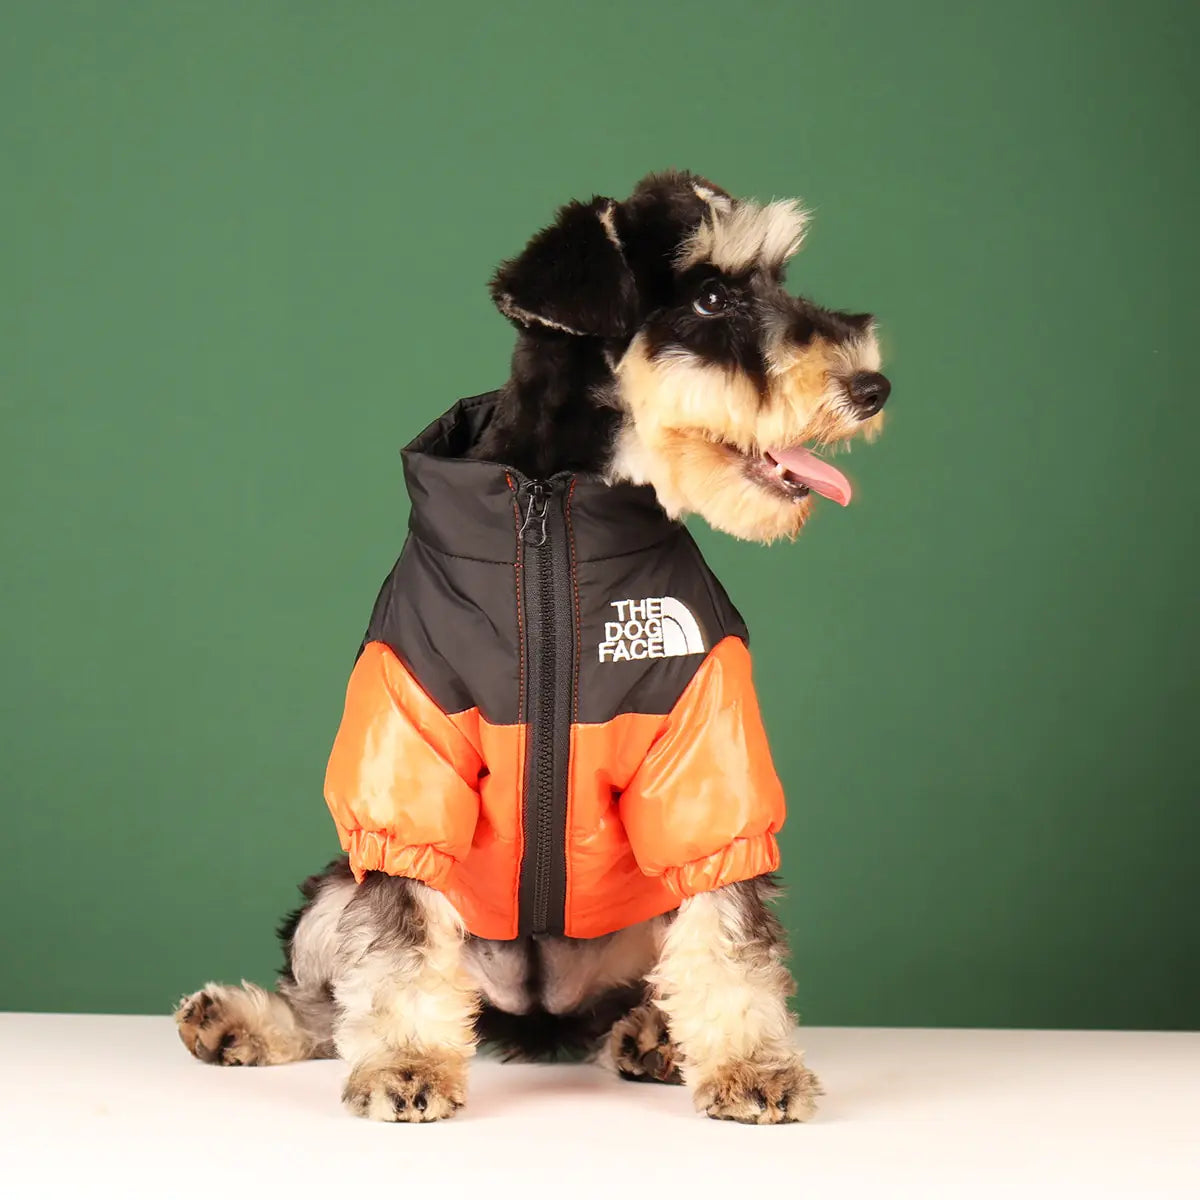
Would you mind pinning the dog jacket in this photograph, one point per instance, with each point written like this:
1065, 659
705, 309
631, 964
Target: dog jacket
551, 718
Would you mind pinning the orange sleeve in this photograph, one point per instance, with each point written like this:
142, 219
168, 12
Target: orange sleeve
705, 804
402, 781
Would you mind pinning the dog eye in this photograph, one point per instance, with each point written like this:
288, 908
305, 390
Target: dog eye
712, 300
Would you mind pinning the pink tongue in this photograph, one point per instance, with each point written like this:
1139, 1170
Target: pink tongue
816, 472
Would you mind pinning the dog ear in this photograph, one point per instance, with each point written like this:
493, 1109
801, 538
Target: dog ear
572, 276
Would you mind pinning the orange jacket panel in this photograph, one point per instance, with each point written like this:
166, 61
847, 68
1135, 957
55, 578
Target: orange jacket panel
402, 781
660, 807
705, 804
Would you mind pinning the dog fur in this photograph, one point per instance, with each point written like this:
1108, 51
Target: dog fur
655, 344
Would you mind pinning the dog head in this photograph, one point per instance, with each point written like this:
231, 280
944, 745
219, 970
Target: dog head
724, 381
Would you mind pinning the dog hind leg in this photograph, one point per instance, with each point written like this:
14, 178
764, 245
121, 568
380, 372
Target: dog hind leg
243, 1026
640, 1047
249, 1026
406, 1005
723, 987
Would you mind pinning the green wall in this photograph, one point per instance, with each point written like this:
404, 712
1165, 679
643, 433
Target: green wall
245, 254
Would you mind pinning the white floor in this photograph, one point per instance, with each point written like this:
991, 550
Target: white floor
94, 1106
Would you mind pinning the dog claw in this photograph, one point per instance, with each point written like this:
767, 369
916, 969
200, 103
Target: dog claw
419, 1091
760, 1094
641, 1049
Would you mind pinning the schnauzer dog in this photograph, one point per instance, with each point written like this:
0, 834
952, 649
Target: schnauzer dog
551, 777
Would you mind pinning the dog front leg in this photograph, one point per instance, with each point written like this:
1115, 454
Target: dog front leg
406, 1005
722, 983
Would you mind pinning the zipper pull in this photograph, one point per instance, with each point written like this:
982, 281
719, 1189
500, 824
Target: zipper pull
533, 528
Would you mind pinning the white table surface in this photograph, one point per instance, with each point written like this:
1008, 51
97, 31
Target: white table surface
114, 1106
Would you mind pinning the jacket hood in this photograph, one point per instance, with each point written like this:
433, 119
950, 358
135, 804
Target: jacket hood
471, 508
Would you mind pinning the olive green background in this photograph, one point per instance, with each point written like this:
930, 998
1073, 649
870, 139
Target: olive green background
245, 247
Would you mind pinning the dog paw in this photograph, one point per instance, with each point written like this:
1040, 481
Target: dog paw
641, 1048
760, 1093
407, 1089
210, 1026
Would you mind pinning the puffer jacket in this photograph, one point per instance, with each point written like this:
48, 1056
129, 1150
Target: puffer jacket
551, 718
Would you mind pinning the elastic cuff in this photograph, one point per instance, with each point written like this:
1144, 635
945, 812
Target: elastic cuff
371, 850
744, 858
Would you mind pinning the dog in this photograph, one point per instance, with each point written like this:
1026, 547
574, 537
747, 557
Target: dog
551, 776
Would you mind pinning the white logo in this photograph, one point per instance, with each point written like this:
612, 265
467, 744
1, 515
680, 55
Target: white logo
657, 627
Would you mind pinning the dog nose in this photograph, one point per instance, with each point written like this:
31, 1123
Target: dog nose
869, 392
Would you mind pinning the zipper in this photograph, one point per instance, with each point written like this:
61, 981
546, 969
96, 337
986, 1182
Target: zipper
547, 598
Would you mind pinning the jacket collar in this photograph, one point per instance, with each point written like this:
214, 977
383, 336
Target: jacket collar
473, 509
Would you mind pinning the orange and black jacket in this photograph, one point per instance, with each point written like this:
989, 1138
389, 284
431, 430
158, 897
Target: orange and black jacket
551, 719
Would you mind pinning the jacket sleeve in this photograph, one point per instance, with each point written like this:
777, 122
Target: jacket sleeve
703, 808
402, 781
